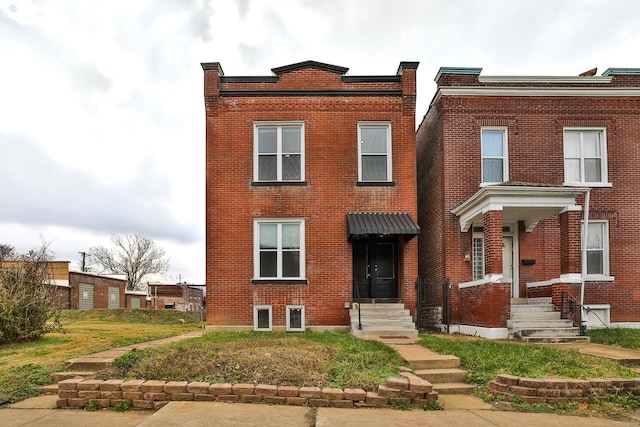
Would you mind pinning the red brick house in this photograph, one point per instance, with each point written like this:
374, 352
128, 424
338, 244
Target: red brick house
509, 170
310, 195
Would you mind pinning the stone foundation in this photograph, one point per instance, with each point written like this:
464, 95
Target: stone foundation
408, 389
532, 390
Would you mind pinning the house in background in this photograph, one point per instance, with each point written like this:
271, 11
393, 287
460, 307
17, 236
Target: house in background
509, 170
90, 290
311, 199
180, 297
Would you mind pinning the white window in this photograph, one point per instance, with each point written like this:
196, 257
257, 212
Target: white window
495, 164
295, 318
585, 156
279, 249
374, 152
477, 253
278, 152
262, 318
598, 249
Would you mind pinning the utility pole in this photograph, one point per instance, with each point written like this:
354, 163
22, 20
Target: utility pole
84, 255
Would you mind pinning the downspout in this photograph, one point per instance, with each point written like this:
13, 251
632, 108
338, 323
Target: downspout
583, 267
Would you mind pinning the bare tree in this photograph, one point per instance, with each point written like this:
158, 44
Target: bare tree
7, 252
132, 255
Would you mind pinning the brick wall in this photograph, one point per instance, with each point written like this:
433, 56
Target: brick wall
101, 286
331, 169
486, 305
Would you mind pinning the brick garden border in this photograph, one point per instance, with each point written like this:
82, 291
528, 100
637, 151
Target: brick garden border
532, 390
406, 390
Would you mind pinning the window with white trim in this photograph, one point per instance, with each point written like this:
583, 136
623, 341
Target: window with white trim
295, 318
279, 249
585, 156
374, 152
262, 318
278, 152
598, 249
495, 164
477, 253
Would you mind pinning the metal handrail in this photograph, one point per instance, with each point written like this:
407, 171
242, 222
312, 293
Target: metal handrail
356, 292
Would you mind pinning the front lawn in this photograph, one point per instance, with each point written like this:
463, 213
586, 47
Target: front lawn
305, 359
26, 366
618, 337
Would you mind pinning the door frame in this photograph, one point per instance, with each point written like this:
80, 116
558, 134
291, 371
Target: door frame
512, 233
370, 243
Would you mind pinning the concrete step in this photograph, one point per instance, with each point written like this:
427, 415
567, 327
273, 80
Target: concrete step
436, 361
384, 332
536, 315
549, 332
447, 375
531, 308
556, 339
384, 325
453, 388
88, 363
60, 376
534, 324
49, 389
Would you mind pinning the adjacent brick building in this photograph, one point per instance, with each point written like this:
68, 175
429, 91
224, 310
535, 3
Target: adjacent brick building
89, 291
508, 170
310, 194
180, 297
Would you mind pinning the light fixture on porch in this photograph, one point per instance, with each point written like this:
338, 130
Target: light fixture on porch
466, 254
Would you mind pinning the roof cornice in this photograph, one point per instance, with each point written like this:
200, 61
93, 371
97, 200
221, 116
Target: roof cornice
545, 79
535, 91
457, 70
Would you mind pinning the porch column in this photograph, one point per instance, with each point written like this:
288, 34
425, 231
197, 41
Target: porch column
570, 256
492, 223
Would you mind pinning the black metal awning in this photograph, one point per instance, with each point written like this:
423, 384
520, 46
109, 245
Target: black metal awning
361, 224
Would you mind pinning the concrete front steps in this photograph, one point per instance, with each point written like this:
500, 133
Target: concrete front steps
535, 321
442, 371
382, 319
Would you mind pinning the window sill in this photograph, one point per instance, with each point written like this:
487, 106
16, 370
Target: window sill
588, 184
599, 278
486, 184
277, 183
375, 184
279, 281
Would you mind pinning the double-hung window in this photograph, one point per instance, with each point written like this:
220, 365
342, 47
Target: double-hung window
374, 152
278, 152
585, 156
495, 164
598, 249
279, 249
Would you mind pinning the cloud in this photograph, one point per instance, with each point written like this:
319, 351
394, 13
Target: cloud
38, 191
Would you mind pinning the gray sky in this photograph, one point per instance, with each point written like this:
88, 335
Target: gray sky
101, 105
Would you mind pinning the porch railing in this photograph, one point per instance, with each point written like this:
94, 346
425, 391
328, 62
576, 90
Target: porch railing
570, 308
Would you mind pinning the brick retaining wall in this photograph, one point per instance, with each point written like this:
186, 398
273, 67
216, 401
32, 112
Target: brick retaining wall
408, 389
532, 390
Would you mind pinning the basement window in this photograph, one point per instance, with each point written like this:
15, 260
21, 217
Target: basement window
295, 318
262, 318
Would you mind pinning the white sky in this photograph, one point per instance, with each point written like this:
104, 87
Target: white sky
101, 104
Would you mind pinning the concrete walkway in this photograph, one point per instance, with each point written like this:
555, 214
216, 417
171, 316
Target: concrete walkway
459, 410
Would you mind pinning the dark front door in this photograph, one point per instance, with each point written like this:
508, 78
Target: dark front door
375, 268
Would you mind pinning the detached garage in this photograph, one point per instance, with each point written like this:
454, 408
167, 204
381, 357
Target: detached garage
94, 291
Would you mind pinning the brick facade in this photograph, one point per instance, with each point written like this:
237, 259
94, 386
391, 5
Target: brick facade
101, 285
330, 105
534, 114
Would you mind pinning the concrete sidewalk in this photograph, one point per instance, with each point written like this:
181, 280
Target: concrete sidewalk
459, 410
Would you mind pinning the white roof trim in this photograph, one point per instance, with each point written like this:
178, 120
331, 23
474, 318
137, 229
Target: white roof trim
534, 91
532, 203
545, 79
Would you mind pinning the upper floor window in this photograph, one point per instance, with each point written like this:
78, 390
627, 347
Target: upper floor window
279, 249
598, 250
585, 156
374, 152
278, 152
495, 165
